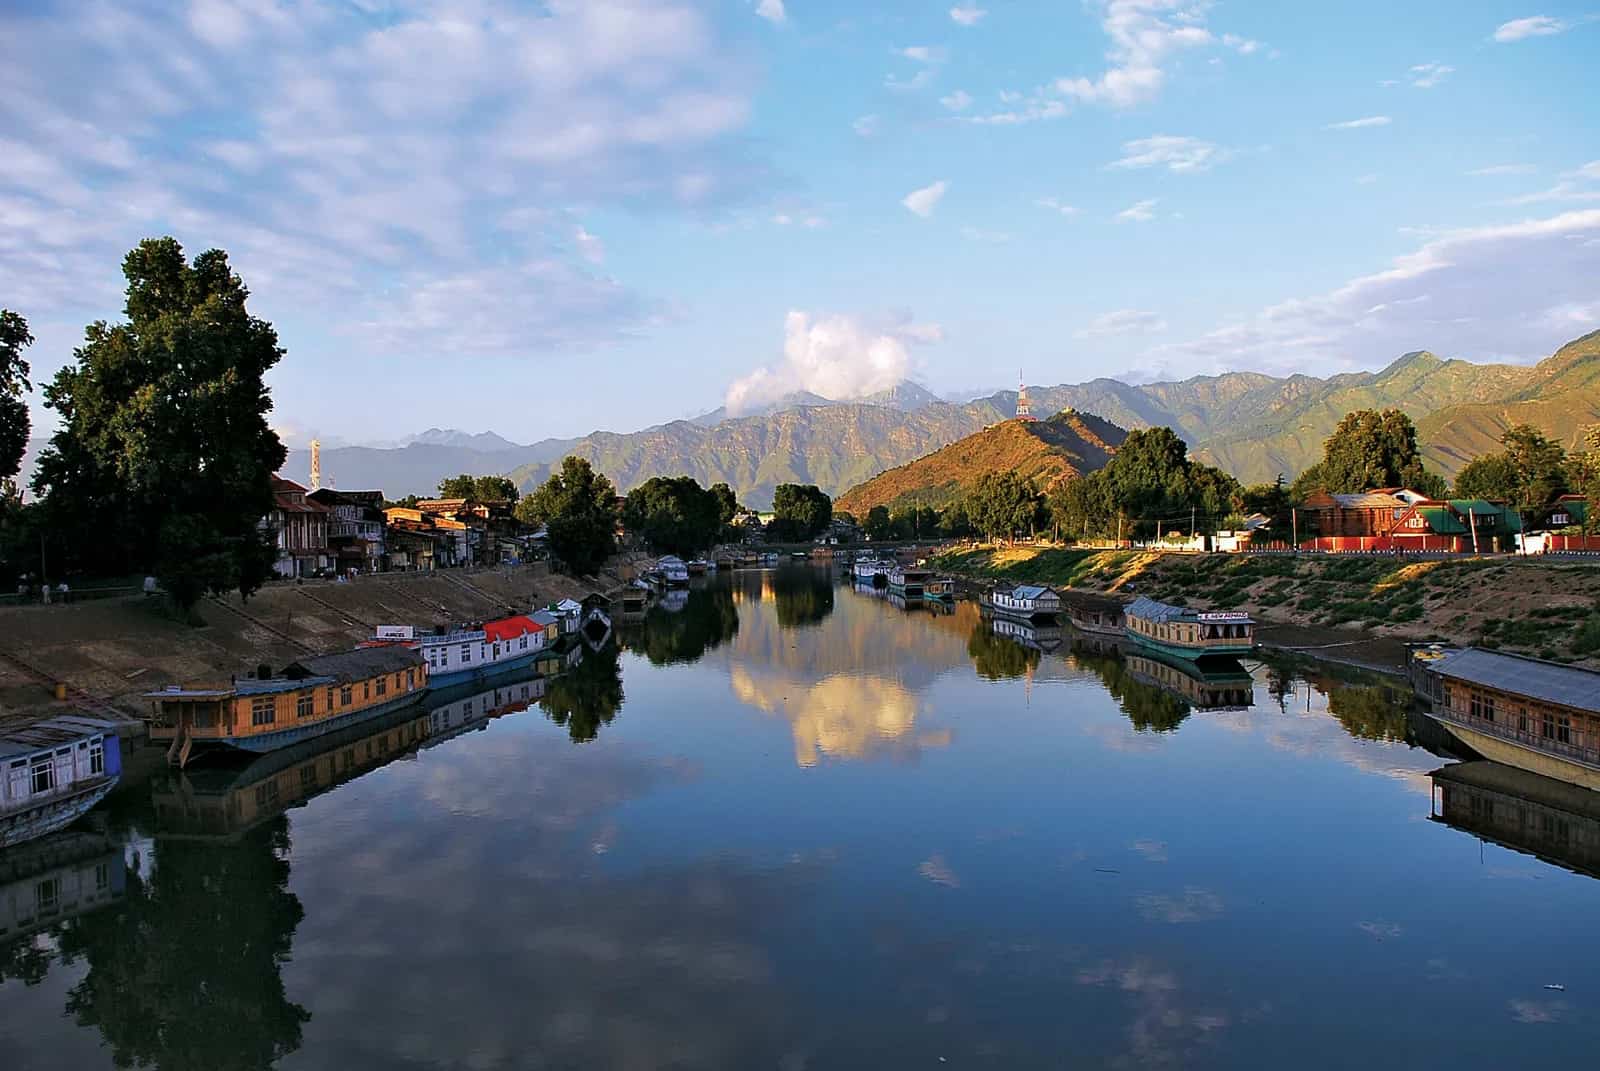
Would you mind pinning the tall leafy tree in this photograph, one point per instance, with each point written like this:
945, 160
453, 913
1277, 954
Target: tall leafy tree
479, 488
578, 506
1529, 473
878, 525
799, 512
674, 514
164, 459
1370, 449
727, 503
1002, 504
14, 423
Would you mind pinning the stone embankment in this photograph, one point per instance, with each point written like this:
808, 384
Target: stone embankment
108, 652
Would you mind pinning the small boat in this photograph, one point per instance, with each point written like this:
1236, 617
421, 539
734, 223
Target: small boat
769, 558
312, 696
635, 598
698, 566
674, 571
907, 581
1099, 614
940, 589
54, 771
1186, 632
1026, 602
870, 571
799, 555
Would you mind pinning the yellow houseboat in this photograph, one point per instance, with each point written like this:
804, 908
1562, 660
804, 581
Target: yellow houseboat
312, 696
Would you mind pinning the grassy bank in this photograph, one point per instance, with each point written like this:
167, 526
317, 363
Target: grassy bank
1528, 606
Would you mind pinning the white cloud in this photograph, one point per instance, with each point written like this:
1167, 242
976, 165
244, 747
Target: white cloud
772, 10
959, 101
838, 357
1180, 154
1535, 26
346, 187
1145, 35
1514, 291
981, 234
1428, 75
1360, 124
923, 201
866, 126
1138, 212
1366, 180
1504, 169
1242, 45
1123, 322
1056, 205
967, 15
590, 248
919, 53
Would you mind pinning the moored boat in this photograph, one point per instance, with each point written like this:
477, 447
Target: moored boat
52, 772
673, 571
1026, 602
907, 581
472, 654
1088, 612
870, 571
1187, 632
940, 589
698, 566
312, 696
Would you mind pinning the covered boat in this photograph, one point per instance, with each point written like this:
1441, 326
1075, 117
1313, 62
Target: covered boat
1026, 602
1187, 632
52, 772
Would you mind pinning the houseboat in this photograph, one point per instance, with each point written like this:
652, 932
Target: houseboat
1099, 614
1543, 717
1551, 820
472, 654
52, 772
1186, 632
312, 696
698, 566
1026, 602
940, 589
870, 571
907, 581
673, 571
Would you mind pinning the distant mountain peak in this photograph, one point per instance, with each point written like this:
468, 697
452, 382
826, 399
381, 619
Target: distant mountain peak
483, 440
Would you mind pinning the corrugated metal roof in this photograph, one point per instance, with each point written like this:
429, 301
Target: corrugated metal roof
1442, 521
1147, 609
1551, 682
1022, 591
1369, 500
360, 664
50, 733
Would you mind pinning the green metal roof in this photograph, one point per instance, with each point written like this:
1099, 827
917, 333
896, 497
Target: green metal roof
1442, 521
1507, 520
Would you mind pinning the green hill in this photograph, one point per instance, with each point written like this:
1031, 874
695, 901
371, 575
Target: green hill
1046, 451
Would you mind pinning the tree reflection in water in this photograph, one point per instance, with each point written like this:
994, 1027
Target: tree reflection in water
185, 971
803, 597
998, 658
707, 620
586, 696
1151, 709
1372, 711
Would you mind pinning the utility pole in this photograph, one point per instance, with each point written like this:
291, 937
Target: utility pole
1472, 523
1294, 528
1119, 531
44, 573
1191, 524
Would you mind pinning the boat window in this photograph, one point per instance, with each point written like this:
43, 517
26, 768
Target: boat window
44, 774
346, 695
411, 678
383, 685
47, 895
1564, 728
97, 759
1548, 727
263, 710
466, 652
304, 706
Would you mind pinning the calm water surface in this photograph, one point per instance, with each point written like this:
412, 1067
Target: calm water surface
789, 825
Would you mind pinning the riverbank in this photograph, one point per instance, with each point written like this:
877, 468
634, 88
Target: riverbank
1341, 608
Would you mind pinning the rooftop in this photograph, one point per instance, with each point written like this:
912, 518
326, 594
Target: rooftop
1148, 609
1535, 678
51, 733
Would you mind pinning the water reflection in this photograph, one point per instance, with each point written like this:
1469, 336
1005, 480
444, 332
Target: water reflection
701, 620
587, 696
1550, 820
50, 881
999, 657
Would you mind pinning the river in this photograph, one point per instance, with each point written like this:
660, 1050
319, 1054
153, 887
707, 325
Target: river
785, 824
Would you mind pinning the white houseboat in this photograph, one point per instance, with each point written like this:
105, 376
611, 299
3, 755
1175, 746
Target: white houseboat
1026, 602
52, 772
673, 571
472, 654
907, 581
871, 571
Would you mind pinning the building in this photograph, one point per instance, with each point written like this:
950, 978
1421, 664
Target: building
300, 528
355, 528
1543, 717
1395, 518
1362, 515
426, 540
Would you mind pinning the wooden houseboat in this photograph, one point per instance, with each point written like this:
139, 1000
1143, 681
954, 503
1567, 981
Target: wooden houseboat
1186, 632
52, 772
1543, 717
871, 572
1026, 602
312, 696
940, 589
907, 581
1088, 612
473, 654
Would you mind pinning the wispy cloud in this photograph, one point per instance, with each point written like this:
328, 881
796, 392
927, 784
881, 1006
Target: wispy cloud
1533, 26
959, 101
923, 201
1123, 322
967, 14
772, 10
1242, 45
1056, 205
1138, 212
982, 234
1428, 75
1504, 169
1360, 124
928, 57
1175, 153
866, 126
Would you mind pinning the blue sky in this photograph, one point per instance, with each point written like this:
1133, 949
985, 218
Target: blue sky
544, 219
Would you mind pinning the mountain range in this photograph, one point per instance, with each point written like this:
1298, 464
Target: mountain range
1248, 423
1067, 445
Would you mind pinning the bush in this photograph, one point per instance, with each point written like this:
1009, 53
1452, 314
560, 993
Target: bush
1586, 640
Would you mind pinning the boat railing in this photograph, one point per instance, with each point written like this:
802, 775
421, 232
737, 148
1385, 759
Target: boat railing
1531, 739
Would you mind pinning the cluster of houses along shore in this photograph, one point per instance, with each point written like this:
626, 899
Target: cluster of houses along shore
326, 532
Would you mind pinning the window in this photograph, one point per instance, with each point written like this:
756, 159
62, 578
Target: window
383, 685
347, 695
1488, 708
47, 894
366, 689
466, 652
497, 650
44, 774
102, 877
1564, 728
263, 710
1547, 727
1522, 719
1476, 709
97, 758
305, 706
411, 678
308, 775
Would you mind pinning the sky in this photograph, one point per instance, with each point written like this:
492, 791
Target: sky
544, 219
